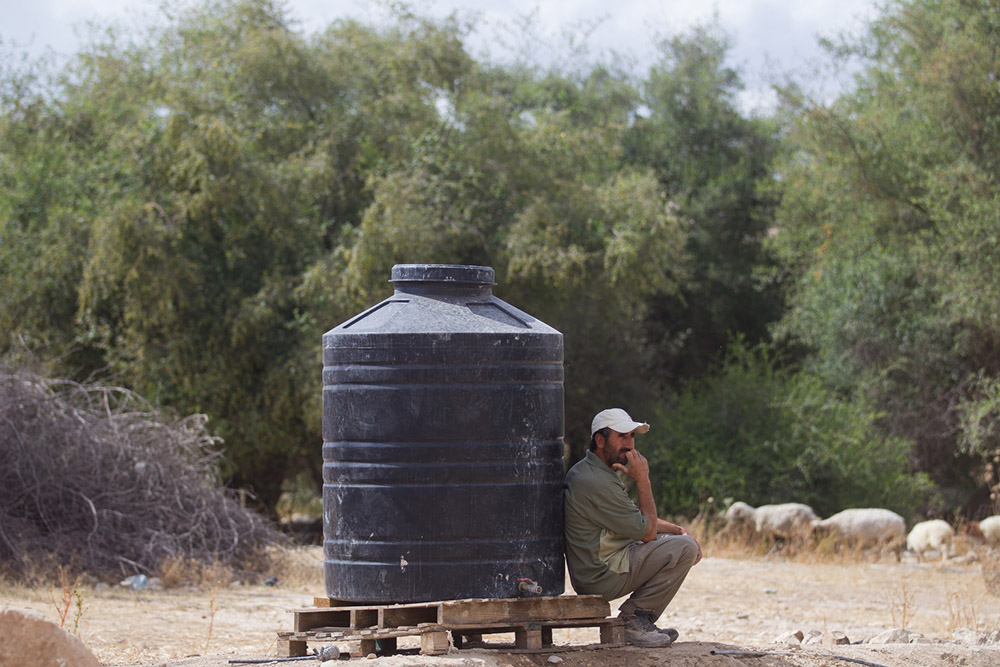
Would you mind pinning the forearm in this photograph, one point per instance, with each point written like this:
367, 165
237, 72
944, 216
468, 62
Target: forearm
647, 506
663, 526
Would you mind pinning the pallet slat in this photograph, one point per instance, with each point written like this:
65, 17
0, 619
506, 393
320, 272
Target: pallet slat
530, 619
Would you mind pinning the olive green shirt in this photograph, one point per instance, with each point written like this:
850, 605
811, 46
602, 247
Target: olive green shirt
601, 524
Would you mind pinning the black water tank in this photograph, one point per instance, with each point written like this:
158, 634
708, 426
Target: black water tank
443, 444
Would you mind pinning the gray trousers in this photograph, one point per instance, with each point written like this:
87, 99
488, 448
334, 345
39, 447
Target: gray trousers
656, 571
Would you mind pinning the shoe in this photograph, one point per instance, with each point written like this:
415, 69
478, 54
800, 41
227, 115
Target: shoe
670, 632
641, 631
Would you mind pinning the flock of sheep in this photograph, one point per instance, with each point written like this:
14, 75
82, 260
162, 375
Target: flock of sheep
862, 528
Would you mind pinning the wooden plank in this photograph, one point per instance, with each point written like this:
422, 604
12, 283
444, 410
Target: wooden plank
291, 648
528, 638
522, 609
364, 617
307, 619
391, 617
367, 647
334, 602
434, 643
613, 633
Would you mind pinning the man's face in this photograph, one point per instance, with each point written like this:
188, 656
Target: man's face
615, 447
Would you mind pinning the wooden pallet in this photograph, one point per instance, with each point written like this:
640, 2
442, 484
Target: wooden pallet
378, 626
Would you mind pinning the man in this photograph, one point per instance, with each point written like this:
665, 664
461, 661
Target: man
613, 546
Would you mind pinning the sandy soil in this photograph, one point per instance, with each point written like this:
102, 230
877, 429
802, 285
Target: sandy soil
729, 612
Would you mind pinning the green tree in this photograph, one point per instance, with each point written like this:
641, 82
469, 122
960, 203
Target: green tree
716, 164
757, 432
889, 225
185, 186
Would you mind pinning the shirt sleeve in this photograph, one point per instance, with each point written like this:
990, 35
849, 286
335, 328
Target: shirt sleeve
608, 505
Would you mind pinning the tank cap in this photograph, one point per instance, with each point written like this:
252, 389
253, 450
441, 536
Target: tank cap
442, 273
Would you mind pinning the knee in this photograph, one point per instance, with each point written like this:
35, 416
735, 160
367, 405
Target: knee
689, 550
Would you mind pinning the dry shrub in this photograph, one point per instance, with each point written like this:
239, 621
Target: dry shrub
96, 478
179, 570
990, 560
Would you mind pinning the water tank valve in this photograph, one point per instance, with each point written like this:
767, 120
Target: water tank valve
528, 587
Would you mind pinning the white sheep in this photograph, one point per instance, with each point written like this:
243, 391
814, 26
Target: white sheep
739, 514
865, 527
933, 535
990, 529
781, 521
784, 520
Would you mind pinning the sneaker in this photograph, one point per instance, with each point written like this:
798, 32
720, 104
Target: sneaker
640, 631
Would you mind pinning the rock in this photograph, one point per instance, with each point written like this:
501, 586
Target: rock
136, 582
743, 615
895, 636
28, 639
966, 559
554, 659
967, 636
791, 638
813, 637
770, 591
992, 638
836, 638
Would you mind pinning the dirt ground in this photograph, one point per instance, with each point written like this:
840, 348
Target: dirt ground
729, 612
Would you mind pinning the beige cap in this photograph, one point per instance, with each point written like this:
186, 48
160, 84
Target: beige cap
617, 420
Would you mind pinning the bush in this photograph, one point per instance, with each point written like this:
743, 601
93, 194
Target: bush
94, 477
757, 433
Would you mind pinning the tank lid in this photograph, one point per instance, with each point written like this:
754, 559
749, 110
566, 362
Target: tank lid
442, 273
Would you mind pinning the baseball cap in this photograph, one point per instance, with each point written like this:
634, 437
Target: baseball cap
617, 420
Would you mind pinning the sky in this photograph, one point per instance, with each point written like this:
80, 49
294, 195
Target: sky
769, 37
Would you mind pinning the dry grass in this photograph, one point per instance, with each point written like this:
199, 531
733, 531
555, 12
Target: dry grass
991, 571
900, 603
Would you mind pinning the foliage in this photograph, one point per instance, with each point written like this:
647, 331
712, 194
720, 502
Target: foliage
163, 209
889, 223
760, 433
716, 164
185, 214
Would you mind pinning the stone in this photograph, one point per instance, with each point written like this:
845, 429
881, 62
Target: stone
28, 639
894, 636
835, 638
967, 636
813, 637
790, 638
554, 659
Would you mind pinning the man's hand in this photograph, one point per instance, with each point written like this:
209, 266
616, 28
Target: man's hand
637, 468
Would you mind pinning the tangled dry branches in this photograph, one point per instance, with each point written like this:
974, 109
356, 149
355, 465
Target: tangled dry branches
95, 477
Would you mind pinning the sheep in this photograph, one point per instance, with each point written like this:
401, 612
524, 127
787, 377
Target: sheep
987, 530
936, 535
785, 520
739, 514
865, 527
